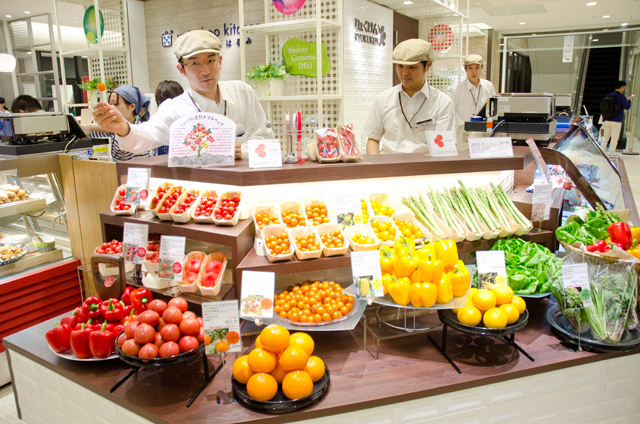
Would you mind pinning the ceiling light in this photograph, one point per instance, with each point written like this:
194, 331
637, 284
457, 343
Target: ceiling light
8, 16
591, 3
596, 39
624, 24
28, 52
7, 62
27, 12
522, 23
606, 16
408, 2
606, 29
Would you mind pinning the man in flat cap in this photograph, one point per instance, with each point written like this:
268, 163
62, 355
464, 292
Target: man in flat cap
199, 60
470, 95
402, 114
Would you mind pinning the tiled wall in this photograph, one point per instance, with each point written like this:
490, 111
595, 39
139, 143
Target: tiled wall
601, 392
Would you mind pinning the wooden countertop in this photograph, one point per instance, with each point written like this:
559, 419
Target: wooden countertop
374, 166
408, 368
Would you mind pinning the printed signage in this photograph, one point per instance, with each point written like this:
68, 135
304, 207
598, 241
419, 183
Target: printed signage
577, 291
348, 209
367, 276
288, 7
490, 147
441, 143
369, 33
541, 203
222, 325
300, 58
134, 242
256, 299
171, 257
491, 268
137, 185
264, 153
202, 140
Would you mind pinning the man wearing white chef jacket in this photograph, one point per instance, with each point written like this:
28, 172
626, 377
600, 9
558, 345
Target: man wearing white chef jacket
470, 95
402, 115
199, 60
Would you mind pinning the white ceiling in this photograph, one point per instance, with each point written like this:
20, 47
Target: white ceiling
502, 15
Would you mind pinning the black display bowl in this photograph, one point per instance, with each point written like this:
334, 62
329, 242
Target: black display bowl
447, 316
280, 404
159, 362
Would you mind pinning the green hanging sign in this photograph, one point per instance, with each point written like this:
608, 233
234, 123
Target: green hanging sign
90, 27
300, 58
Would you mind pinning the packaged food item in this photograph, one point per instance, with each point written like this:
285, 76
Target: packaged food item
327, 145
348, 145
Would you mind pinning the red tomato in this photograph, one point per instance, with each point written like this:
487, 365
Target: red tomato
121, 339
213, 266
190, 327
209, 279
158, 305
148, 317
201, 321
157, 340
194, 265
200, 335
160, 324
130, 347
148, 351
180, 303
169, 349
188, 343
170, 333
129, 328
172, 315
144, 334
188, 314
189, 277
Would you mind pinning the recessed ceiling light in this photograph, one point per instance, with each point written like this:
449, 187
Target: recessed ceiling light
606, 16
606, 29
624, 24
27, 12
8, 16
591, 3
596, 39
522, 23
408, 2
28, 52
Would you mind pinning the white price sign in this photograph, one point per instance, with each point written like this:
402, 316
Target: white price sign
222, 324
256, 299
577, 291
134, 243
367, 276
541, 204
171, 257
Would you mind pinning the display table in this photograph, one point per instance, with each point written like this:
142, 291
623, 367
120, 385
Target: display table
411, 382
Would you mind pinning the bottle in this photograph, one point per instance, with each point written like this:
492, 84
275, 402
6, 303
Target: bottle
489, 125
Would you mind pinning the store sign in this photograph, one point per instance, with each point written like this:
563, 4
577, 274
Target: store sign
225, 34
369, 33
567, 50
89, 25
288, 7
300, 58
202, 140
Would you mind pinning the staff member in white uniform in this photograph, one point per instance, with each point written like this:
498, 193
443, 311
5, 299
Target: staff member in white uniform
199, 60
402, 114
470, 95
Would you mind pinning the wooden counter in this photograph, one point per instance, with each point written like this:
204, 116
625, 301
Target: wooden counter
409, 368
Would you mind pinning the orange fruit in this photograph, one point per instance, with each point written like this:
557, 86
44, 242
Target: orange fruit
297, 384
207, 340
511, 311
241, 371
278, 373
315, 368
484, 299
258, 343
303, 340
221, 346
519, 303
262, 387
470, 315
503, 293
274, 338
101, 86
495, 318
261, 360
293, 358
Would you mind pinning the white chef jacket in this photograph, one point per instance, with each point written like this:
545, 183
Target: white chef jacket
239, 99
468, 100
429, 106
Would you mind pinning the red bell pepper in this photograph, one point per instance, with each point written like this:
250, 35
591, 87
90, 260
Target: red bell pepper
140, 299
91, 307
59, 337
70, 320
80, 315
112, 310
620, 234
102, 342
132, 316
126, 297
599, 246
80, 342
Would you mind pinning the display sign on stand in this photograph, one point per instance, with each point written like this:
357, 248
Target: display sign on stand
540, 162
171, 257
348, 209
264, 153
575, 279
367, 276
222, 324
256, 299
490, 147
441, 143
134, 242
137, 185
202, 140
491, 268
541, 203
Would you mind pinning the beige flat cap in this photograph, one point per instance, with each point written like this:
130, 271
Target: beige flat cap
195, 42
411, 52
473, 58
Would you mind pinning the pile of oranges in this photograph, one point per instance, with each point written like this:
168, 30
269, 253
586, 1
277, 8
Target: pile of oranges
262, 220
293, 219
313, 302
317, 213
279, 358
496, 308
278, 244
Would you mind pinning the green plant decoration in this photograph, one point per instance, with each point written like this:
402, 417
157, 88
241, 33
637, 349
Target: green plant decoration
92, 85
260, 74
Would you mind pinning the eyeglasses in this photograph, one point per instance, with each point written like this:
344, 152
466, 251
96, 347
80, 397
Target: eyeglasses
196, 66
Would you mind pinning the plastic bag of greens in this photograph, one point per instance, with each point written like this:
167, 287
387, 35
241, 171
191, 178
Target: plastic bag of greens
569, 300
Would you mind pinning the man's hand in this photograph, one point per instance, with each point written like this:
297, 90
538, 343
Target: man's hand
110, 118
238, 151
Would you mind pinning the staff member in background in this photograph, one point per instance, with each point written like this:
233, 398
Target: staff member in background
402, 114
167, 89
199, 60
2, 108
470, 95
25, 103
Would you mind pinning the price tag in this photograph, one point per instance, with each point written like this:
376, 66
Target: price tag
577, 291
256, 299
171, 257
367, 277
442, 143
222, 324
202, 140
348, 209
491, 268
490, 147
134, 243
541, 205
264, 153
137, 183
537, 156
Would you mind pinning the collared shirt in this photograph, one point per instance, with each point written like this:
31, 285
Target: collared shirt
117, 154
468, 100
237, 97
386, 122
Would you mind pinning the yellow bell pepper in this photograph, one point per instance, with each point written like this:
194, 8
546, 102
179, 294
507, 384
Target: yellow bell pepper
424, 272
438, 270
445, 291
386, 280
447, 252
635, 251
387, 259
460, 281
403, 246
427, 252
405, 266
635, 234
460, 264
423, 294
399, 290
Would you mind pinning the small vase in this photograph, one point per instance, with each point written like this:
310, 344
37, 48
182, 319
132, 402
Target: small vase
269, 88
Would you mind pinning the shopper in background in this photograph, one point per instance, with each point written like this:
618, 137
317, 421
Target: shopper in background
402, 114
612, 126
199, 60
167, 89
470, 96
2, 107
25, 103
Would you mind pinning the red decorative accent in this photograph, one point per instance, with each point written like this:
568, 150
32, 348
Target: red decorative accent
441, 38
177, 267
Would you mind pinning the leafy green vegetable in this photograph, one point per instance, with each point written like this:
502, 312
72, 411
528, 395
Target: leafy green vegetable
526, 263
594, 228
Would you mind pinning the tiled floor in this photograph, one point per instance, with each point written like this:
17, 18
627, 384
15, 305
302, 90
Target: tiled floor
8, 413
